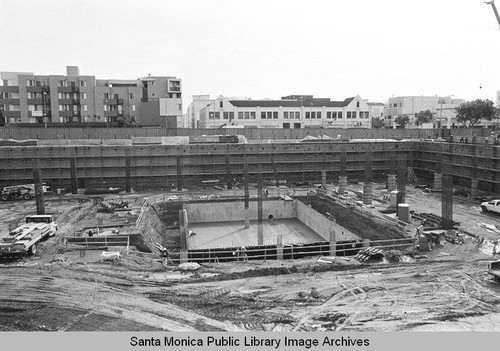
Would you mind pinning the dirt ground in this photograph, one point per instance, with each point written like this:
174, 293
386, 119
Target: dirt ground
61, 289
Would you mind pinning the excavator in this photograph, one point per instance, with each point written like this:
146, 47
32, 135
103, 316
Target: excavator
492, 3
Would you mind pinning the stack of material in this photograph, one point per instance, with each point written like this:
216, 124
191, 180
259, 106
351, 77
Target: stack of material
370, 253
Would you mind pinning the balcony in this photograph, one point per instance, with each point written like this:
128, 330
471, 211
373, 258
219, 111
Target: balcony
65, 101
37, 101
111, 101
66, 113
12, 114
68, 89
110, 113
75, 101
10, 89
31, 89
9, 101
119, 101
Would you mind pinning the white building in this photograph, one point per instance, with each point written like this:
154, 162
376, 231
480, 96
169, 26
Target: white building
442, 108
295, 111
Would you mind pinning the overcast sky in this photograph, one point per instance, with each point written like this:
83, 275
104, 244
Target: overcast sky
264, 48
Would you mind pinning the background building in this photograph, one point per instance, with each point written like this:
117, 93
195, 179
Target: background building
294, 111
30, 98
193, 111
443, 109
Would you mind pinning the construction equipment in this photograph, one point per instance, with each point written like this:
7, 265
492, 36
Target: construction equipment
494, 269
492, 3
25, 191
23, 239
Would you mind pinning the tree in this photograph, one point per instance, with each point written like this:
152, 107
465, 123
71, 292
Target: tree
424, 117
402, 121
475, 111
378, 122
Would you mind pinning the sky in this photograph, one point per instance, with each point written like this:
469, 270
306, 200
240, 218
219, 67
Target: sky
264, 49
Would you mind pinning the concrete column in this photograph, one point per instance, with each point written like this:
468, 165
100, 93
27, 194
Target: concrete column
366, 243
368, 193
333, 243
179, 172
342, 184
127, 173
247, 193
473, 188
183, 227
228, 171
323, 178
438, 181
279, 247
37, 180
260, 227
391, 182
74, 180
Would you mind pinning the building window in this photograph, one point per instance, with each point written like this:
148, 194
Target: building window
106, 107
318, 114
132, 107
357, 104
275, 114
297, 115
30, 83
231, 115
83, 84
285, 115
226, 115
339, 114
84, 107
240, 115
247, 115
83, 95
130, 96
263, 115
269, 115
63, 83
367, 114
7, 83
221, 104
308, 115
252, 114
106, 95
117, 96
328, 114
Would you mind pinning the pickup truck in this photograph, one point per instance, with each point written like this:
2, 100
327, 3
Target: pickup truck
492, 205
494, 269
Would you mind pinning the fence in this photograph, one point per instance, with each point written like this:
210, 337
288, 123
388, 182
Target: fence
295, 251
100, 241
61, 133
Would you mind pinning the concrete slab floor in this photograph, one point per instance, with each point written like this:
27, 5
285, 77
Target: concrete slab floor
234, 234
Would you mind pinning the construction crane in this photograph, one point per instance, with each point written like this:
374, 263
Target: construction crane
492, 3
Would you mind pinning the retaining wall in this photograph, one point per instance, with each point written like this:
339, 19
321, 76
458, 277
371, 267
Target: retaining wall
235, 211
322, 225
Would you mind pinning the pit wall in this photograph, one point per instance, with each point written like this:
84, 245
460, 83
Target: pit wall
322, 225
235, 211
151, 229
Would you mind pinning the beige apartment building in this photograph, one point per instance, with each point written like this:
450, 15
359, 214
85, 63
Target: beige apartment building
294, 111
74, 98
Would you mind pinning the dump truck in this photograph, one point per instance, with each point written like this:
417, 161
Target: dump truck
494, 269
491, 206
23, 239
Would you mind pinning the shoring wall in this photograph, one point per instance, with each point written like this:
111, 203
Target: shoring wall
62, 133
155, 166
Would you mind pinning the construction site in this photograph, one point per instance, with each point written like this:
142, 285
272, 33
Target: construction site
226, 233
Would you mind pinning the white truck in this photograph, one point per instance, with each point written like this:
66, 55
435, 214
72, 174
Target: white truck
24, 238
491, 206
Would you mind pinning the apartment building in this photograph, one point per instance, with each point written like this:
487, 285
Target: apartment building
294, 111
29, 98
443, 109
